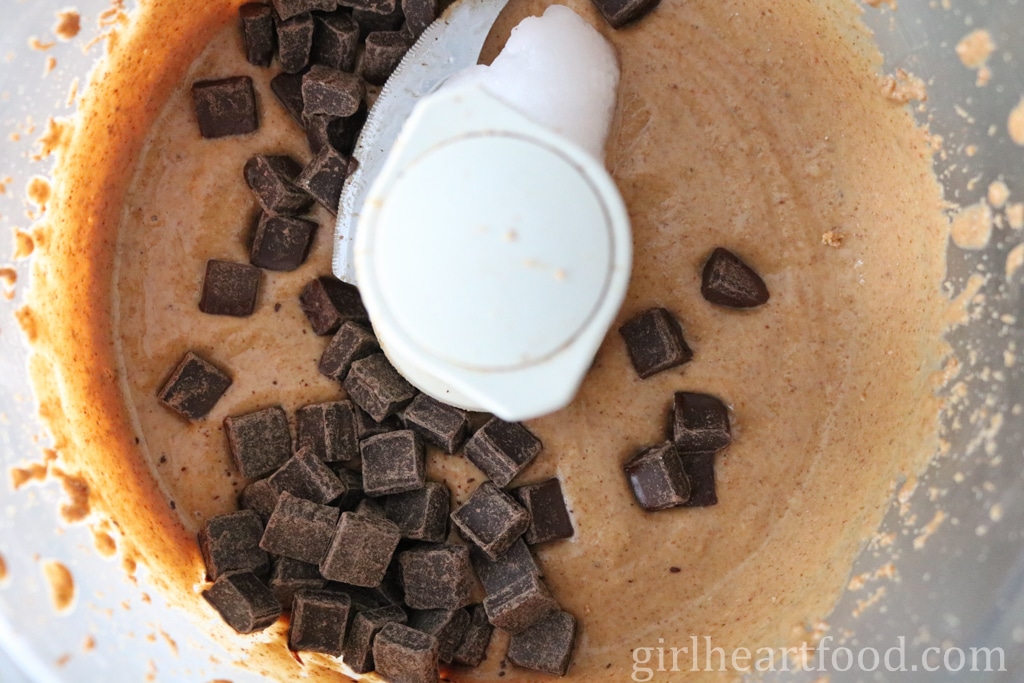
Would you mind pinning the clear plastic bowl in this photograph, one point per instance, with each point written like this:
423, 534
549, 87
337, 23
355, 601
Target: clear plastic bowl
963, 588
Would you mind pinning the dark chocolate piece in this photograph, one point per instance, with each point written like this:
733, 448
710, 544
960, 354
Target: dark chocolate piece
436, 576
281, 242
328, 302
366, 625
728, 281
657, 477
368, 507
422, 515
419, 14
295, 42
654, 339
194, 387
472, 649
438, 423
549, 518
618, 13
520, 604
339, 132
272, 179
231, 542
350, 343
502, 450
243, 602
225, 107
700, 423
700, 470
447, 625
352, 482
366, 426
260, 441
260, 497
328, 430
336, 41
332, 92
514, 563
370, 21
392, 463
229, 289
404, 655
376, 387
323, 177
288, 88
318, 622
361, 550
491, 519
258, 32
383, 52
290, 576
300, 529
289, 8
379, 7
306, 476
546, 646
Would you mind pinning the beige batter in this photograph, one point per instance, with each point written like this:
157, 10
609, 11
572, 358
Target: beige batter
749, 124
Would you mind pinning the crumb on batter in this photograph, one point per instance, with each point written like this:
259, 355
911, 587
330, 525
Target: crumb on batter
974, 50
904, 87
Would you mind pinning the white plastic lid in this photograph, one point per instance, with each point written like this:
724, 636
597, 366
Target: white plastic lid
492, 256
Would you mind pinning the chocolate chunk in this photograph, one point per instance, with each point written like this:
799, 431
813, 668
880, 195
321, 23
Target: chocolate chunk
323, 177
502, 450
306, 476
243, 601
332, 92
231, 542
328, 430
520, 604
549, 518
336, 40
229, 289
350, 343
657, 477
366, 625
328, 302
368, 507
289, 8
728, 281
362, 599
447, 625
361, 550
370, 21
491, 519
546, 646
404, 655
383, 51
300, 529
281, 242
419, 14
225, 107
288, 88
352, 482
260, 497
654, 339
472, 649
436, 576
272, 180
339, 132
700, 423
194, 387
618, 13
258, 33
376, 387
366, 426
318, 623
295, 42
422, 514
513, 564
379, 7
392, 463
438, 423
260, 441
290, 576
700, 470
